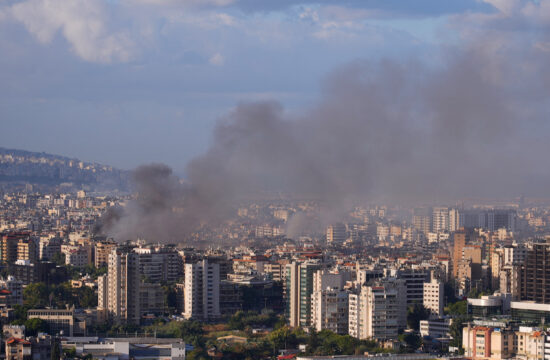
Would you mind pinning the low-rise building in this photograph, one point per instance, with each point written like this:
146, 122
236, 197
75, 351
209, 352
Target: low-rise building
18, 349
485, 342
60, 321
127, 348
436, 328
530, 343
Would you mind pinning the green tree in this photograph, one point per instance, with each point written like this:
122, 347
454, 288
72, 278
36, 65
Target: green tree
58, 259
456, 330
85, 297
36, 295
282, 338
235, 322
191, 332
20, 313
459, 308
93, 271
34, 326
411, 340
416, 313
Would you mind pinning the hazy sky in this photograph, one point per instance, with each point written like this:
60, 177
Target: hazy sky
125, 82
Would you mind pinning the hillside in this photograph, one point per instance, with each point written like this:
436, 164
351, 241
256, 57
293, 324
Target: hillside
47, 171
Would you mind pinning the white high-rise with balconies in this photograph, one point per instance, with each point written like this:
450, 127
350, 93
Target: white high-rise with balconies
123, 283
434, 297
202, 290
329, 301
378, 311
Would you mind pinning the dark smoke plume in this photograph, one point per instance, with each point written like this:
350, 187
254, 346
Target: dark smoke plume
473, 125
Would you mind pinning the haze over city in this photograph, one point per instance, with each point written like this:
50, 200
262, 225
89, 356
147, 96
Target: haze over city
274, 179
432, 101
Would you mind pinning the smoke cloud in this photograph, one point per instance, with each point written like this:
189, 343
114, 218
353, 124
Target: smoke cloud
472, 123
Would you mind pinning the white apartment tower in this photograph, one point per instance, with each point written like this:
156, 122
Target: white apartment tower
123, 287
202, 290
454, 220
434, 297
378, 312
440, 219
329, 301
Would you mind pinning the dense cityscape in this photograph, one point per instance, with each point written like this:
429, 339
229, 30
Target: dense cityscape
274, 179
432, 281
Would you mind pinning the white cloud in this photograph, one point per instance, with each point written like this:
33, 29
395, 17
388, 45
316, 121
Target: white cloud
539, 11
507, 7
217, 60
185, 2
309, 14
341, 13
83, 24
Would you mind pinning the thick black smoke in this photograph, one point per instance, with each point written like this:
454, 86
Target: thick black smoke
474, 124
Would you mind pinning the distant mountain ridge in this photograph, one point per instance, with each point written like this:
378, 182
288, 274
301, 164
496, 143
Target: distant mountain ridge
47, 170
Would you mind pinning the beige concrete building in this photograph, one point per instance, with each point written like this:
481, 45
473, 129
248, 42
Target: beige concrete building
482, 342
60, 321
530, 344
102, 251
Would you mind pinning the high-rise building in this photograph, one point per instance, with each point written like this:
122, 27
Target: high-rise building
336, 233
48, 247
305, 286
292, 294
160, 264
378, 311
151, 298
535, 274
26, 250
454, 220
470, 269
299, 288
496, 260
329, 301
489, 220
434, 297
102, 251
102, 292
330, 310
202, 290
123, 287
78, 257
414, 280
17, 246
440, 219
514, 254
509, 280
461, 238
422, 219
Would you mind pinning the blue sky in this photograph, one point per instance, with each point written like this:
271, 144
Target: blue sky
134, 81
